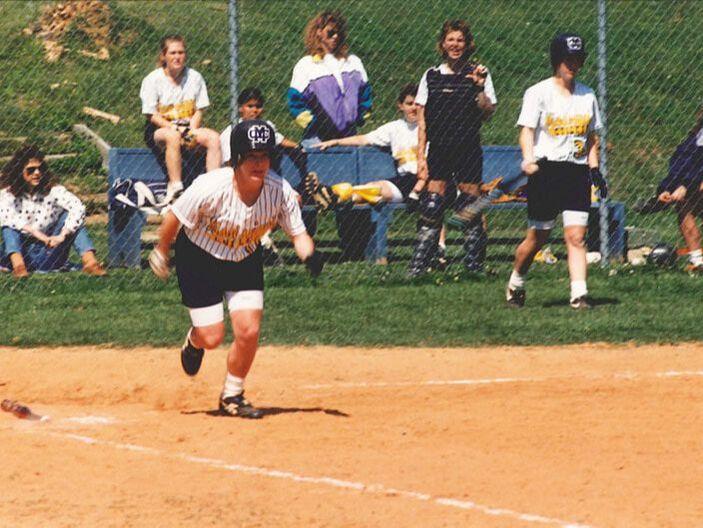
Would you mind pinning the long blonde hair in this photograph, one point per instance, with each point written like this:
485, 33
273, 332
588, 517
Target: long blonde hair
313, 45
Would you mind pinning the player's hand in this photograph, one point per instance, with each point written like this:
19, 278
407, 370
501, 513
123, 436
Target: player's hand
159, 264
324, 145
679, 194
314, 263
529, 167
478, 75
664, 197
599, 181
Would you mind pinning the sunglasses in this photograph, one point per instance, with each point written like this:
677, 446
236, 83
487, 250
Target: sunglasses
32, 170
332, 33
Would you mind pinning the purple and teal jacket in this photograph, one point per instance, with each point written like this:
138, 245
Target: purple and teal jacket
328, 96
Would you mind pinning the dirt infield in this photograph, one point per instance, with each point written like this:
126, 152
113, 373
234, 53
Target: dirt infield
596, 436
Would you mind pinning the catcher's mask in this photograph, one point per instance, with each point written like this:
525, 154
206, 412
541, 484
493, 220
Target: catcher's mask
253, 134
566, 45
662, 256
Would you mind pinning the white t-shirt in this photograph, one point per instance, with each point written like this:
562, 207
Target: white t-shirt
699, 138
227, 133
401, 137
421, 97
173, 101
562, 123
215, 218
41, 211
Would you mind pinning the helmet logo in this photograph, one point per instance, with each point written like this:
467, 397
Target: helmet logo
259, 134
574, 43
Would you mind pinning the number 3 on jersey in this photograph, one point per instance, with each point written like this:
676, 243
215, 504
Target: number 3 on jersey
579, 148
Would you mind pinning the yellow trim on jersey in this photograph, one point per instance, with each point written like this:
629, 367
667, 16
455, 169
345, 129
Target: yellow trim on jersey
231, 236
406, 155
182, 110
576, 125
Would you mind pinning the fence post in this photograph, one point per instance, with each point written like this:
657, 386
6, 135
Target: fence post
233, 61
603, 104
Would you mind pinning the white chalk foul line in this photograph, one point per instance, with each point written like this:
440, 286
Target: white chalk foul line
496, 381
378, 489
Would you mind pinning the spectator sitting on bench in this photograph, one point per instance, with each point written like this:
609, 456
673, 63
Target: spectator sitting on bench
173, 99
40, 219
251, 106
683, 187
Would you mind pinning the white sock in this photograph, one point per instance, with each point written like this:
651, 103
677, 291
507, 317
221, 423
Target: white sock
695, 257
441, 244
578, 289
517, 281
233, 386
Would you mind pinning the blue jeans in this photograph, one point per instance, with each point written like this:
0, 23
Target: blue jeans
37, 256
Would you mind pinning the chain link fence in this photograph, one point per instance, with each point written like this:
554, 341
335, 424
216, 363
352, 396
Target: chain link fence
69, 64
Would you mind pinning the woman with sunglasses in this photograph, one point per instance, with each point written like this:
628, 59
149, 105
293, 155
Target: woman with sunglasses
329, 94
174, 98
40, 219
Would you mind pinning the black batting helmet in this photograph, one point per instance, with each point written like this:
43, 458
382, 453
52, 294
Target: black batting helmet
566, 45
252, 134
662, 256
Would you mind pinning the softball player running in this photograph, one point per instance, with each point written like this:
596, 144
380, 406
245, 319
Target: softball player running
559, 121
224, 214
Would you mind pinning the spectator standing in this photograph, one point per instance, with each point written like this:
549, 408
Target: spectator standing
329, 94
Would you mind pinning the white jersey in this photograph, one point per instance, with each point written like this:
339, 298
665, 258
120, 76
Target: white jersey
561, 123
699, 138
216, 220
422, 92
401, 137
227, 133
173, 101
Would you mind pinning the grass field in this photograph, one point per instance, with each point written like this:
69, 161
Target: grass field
652, 96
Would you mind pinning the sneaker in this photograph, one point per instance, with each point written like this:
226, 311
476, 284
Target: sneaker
191, 358
239, 406
322, 195
515, 298
581, 303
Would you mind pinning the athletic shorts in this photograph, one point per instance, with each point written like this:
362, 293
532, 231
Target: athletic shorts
557, 187
204, 279
459, 163
149, 129
404, 182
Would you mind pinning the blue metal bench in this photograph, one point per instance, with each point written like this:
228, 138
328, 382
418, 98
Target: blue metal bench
334, 165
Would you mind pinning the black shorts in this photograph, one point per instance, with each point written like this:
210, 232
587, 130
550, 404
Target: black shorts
460, 163
405, 181
557, 187
204, 279
149, 129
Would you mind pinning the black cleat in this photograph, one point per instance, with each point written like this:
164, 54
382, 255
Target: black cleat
515, 298
581, 303
191, 358
239, 406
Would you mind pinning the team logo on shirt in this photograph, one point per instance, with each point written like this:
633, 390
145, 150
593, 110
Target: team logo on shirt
232, 237
259, 134
576, 125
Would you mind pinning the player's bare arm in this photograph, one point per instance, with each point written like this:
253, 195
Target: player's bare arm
352, 141
527, 145
421, 144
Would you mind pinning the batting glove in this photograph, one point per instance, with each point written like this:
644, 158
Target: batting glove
598, 180
159, 264
314, 263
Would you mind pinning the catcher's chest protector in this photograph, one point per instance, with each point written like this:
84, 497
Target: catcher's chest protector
451, 114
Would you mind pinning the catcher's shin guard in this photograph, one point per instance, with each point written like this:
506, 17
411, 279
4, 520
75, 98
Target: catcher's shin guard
468, 207
429, 225
475, 245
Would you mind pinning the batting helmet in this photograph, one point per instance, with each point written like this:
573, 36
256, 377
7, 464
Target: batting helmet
662, 256
566, 45
253, 134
